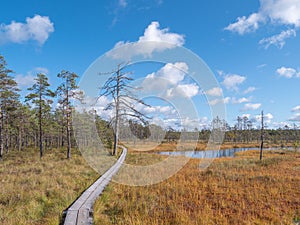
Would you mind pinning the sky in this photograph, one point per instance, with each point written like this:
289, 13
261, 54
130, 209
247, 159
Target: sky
251, 47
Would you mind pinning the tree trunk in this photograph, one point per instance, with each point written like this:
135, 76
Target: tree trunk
262, 136
6, 134
40, 126
20, 139
68, 136
116, 135
1, 137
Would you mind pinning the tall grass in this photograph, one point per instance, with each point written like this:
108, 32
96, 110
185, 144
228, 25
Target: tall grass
35, 191
242, 190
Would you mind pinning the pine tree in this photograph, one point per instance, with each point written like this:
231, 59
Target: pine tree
41, 97
8, 100
67, 91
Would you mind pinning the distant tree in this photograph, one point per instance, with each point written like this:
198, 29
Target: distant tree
8, 100
123, 104
41, 97
67, 91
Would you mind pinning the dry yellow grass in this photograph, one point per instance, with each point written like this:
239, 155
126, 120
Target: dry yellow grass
35, 191
241, 190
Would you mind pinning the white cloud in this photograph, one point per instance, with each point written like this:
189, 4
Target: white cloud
37, 28
282, 12
169, 80
231, 82
239, 101
219, 101
279, 39
156, 110
295, 109
28, 79
174, 73
249, 90
183, 90
288, 72
251, 106
228, 100
295, 117
154, 39
24, 81
216, 92
153, 33
267, 118
245, 25
169, 75
41, 70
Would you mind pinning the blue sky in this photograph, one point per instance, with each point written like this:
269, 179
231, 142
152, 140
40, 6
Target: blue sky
252, 47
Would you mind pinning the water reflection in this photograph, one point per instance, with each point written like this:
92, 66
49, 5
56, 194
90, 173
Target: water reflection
210, 154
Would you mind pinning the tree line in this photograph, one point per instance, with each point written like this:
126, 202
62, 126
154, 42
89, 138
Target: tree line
35, 123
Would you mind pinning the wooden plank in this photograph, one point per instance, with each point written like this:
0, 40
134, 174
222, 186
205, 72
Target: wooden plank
80, 212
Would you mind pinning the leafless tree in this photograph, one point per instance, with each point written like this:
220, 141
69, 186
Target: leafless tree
124, 101
262, 135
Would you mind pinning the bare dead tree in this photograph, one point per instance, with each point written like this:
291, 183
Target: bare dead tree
262, 135
124, 101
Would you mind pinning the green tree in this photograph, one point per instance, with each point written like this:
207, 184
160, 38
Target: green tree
8, 100
41, 97
67, 91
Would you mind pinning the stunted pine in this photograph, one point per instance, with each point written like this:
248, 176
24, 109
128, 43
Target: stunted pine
41, 96
8, 102
67, 91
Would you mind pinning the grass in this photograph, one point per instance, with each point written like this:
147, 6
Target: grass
242, 190
35, 191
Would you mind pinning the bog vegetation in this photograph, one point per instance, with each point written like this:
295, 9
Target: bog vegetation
242, 190
42, 172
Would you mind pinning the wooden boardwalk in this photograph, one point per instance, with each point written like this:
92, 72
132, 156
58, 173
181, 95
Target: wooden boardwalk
81, 211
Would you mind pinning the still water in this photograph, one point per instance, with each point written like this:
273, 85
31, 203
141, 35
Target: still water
209, 153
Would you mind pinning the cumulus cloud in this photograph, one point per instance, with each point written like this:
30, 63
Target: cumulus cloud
231, 82
37, 28
283, 12
251, 106
245, 25
153, 33
154, 39
288, 72
184, 90
278, 40
216, 92
170, 80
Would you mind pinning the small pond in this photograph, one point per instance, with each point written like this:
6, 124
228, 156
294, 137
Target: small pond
209, 153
